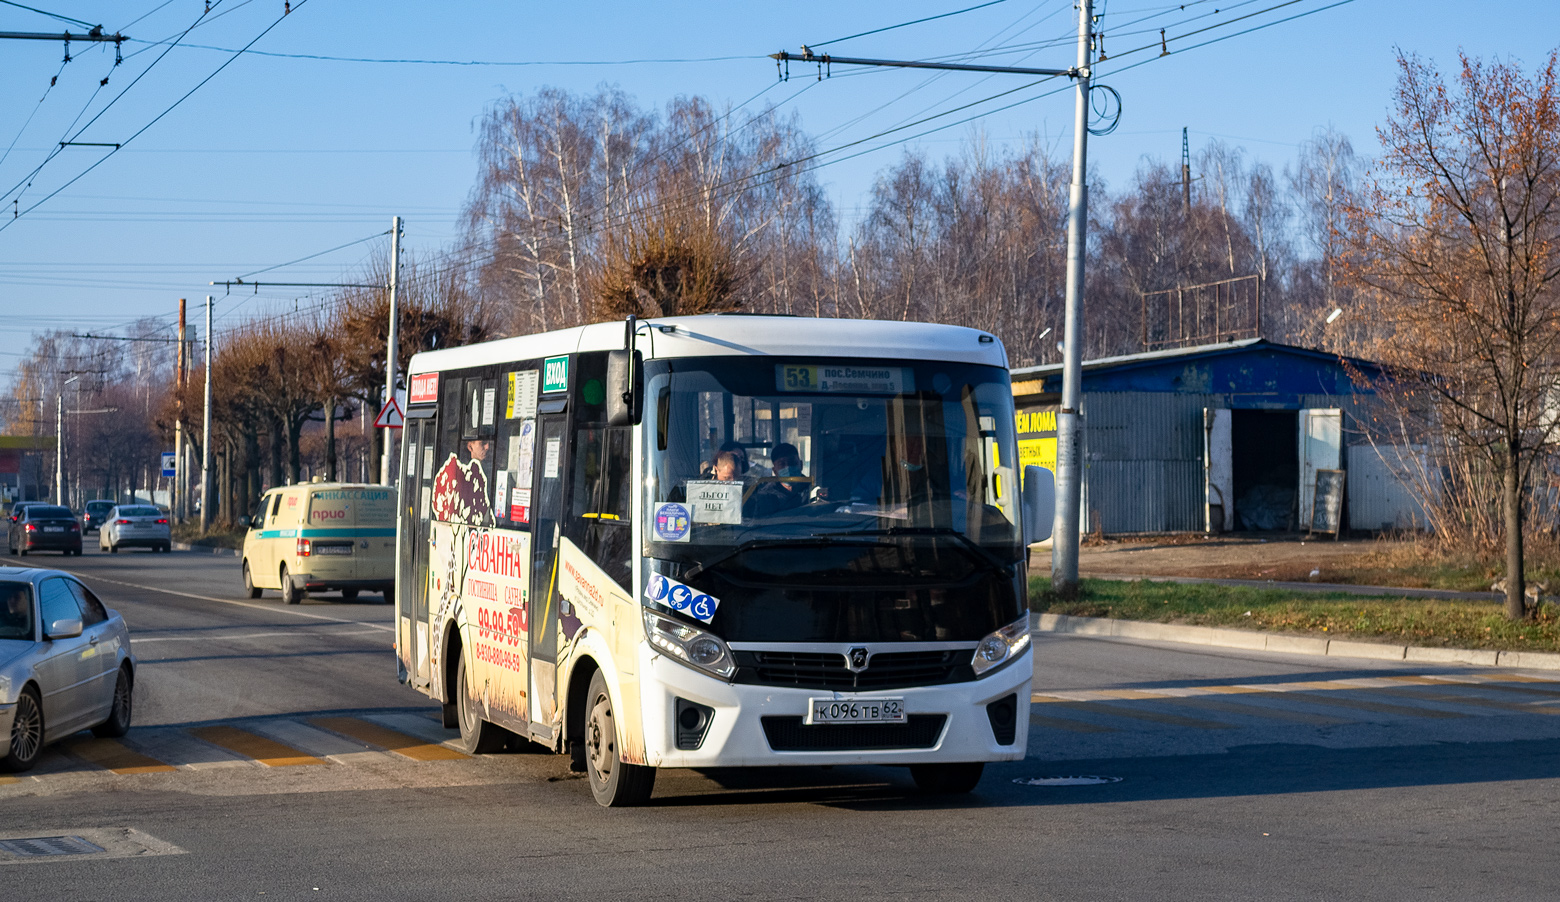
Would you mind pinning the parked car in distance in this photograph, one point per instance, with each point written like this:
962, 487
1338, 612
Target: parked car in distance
65, 664
45, 526
135, 526
93, 515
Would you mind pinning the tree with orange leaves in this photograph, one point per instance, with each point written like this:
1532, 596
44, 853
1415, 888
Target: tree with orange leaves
1457, 238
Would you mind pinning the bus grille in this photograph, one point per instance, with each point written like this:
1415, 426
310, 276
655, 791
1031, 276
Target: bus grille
886, 670
789, 734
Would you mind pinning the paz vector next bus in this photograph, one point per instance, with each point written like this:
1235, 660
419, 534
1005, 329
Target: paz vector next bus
721, 541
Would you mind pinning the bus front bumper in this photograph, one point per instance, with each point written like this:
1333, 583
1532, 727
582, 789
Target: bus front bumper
738, 735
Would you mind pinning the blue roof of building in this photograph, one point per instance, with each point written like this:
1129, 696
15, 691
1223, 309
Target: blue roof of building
1248, 366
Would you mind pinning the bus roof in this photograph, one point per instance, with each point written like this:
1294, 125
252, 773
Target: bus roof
736, 335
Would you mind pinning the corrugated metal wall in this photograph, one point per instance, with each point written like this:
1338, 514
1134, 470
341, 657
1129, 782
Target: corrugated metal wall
1377, 498
1145, 468
1144, 453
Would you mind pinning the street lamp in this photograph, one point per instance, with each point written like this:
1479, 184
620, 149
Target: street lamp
59, 441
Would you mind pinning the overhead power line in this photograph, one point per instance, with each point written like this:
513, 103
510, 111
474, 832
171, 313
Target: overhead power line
863, 34
51, 15
438, 62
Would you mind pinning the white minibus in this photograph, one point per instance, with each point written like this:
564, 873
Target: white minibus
726, 540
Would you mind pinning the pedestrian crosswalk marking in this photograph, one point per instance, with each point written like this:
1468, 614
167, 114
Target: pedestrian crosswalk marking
266, 751
1257, 709
115, 756
384, 737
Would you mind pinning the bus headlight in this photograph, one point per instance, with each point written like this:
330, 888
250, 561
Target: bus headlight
689, 644
1001, 646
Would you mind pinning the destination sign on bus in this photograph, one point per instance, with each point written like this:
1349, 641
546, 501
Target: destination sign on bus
877, 380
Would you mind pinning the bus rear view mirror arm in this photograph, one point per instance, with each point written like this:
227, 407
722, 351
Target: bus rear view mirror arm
1039, 503
625, 388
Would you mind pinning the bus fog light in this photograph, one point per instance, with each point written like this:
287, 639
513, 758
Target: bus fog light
1001, 646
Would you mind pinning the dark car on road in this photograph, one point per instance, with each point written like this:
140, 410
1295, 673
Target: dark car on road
18, 507
45, 526
93, 515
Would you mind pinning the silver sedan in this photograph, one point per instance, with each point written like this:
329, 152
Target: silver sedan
65, 664
135, 526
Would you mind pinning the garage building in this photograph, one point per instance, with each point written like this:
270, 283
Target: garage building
1223, 437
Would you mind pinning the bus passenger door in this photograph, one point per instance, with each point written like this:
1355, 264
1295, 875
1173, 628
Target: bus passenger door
546, 521
412, 580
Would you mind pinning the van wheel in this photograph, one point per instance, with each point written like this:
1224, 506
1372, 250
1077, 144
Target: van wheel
614, 783
250, 589
477, 736
290, 593
946, 779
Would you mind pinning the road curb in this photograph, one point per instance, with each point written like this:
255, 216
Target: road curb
185, 546
1254, 640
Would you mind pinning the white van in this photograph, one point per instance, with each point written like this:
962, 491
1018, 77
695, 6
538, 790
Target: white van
321, 537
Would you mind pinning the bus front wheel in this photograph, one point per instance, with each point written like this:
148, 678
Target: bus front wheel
614, 783
477, 736
946, 779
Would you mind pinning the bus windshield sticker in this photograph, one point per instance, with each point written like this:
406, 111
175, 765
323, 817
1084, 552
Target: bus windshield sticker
875, 380
550, 458
671, 523
522, 449
680, 598
555, 374
520, 403
714, 502
489, 397
520, 505
500, 490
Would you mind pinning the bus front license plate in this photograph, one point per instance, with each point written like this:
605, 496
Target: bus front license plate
855, 710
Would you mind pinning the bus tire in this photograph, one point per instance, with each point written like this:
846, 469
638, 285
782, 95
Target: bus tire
348, 594
614, 783
477, 736
946, 779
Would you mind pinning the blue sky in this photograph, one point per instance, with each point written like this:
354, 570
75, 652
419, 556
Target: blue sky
276, 158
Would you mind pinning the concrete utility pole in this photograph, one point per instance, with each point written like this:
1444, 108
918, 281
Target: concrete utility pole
59, 441
1186, 174
1069, 428
176, 489
391, 345
205, 435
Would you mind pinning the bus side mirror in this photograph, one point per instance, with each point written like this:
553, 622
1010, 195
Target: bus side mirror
625, 388
244, 521
1039, 504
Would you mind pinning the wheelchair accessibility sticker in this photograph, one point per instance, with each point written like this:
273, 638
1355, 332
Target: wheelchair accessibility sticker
681, 598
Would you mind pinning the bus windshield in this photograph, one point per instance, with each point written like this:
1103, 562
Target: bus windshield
830, 474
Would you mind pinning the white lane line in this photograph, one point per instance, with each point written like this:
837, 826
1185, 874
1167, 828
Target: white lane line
243, 604
137, 640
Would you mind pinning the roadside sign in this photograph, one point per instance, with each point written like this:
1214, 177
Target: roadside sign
168, 468
390, 416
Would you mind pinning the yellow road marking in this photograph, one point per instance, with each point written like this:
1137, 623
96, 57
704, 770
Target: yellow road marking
1326, 698
1476, 701
1471, 683
112, 755
386, 738
266, 751
1071, 726
6, 781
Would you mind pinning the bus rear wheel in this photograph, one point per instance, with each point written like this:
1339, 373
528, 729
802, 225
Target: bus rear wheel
477, 736
946, 779
614, 783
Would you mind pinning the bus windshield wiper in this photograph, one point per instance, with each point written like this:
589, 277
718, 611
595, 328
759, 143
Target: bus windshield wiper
979, 550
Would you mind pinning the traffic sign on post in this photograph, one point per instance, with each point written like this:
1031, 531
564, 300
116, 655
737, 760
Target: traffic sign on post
390, 416
168, 469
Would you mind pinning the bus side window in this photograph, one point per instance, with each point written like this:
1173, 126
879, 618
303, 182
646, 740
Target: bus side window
599, 501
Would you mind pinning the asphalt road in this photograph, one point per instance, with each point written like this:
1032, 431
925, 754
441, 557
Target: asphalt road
1232, 775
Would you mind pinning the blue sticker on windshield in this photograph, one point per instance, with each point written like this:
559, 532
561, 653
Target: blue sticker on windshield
681, 598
